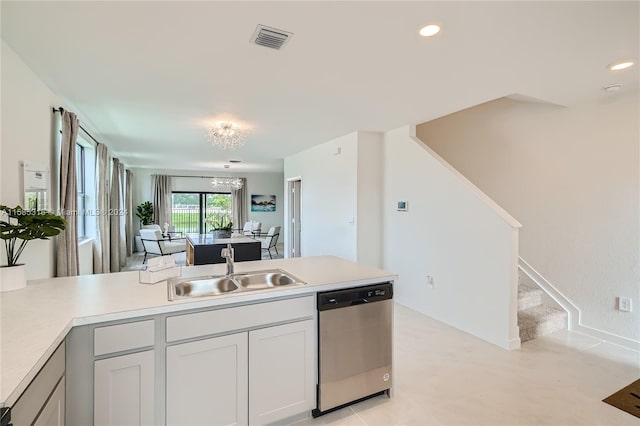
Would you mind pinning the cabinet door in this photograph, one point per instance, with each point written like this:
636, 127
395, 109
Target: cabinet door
52, 413
124, 390
282, 365
207, 381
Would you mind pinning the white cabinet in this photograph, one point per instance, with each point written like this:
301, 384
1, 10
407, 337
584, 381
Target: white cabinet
124, 390
43, 400
207, 381
263, 374
282, 365
52, 413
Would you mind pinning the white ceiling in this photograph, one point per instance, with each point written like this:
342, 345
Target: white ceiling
146, 75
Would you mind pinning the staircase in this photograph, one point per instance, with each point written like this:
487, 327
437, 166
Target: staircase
537, 316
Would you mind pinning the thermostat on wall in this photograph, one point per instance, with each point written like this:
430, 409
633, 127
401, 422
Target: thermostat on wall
403, 206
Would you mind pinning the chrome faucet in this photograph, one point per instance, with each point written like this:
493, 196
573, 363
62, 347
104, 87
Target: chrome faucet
227, 253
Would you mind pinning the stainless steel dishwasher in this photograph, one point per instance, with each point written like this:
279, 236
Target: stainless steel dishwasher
354, 345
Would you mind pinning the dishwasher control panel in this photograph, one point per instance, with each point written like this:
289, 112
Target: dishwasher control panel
354, 296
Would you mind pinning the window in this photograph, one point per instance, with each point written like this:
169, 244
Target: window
81, 190
191, 212
86, 190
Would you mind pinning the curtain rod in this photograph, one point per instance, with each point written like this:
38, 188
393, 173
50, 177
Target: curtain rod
61, 110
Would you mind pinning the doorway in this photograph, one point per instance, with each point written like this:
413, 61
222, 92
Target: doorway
294, 217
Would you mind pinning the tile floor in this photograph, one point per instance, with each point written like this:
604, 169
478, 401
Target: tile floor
444, 376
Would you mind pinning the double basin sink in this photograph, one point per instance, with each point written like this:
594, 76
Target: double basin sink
213, 285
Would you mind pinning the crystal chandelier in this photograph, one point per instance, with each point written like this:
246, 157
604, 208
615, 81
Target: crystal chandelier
226, 136
226, 183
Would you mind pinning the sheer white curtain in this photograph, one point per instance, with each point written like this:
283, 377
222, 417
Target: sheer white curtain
239, 213
162, 200
101, 251
67, 250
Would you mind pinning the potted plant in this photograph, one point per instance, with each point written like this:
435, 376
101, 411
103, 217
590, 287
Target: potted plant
145, 213
221, 224
24, 225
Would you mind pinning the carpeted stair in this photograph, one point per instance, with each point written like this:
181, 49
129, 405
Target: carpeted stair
537, 317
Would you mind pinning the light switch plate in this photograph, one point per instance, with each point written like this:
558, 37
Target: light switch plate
624, 304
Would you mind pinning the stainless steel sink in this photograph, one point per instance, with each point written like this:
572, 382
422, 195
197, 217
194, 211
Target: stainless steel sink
199, 286
181, 288
265, 279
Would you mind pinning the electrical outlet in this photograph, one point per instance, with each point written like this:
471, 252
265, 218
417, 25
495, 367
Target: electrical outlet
624, 304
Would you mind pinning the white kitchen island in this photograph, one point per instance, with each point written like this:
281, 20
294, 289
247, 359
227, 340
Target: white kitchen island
36, 320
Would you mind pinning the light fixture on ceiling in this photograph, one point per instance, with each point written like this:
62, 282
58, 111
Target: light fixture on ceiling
620, 65
226, 135
226, 183
612, 88
429, 30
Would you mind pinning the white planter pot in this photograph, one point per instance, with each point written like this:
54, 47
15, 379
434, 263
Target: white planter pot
12, 277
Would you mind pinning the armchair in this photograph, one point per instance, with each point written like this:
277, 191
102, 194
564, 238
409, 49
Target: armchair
269, 240
251, 228
155, 244
171, 234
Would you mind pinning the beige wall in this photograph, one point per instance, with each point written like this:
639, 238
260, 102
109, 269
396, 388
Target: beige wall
571, 177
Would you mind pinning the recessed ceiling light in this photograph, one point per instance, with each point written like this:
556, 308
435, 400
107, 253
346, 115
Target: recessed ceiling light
430, 30
620, 65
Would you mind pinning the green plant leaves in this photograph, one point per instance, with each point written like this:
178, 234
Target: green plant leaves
19, 224
145, 213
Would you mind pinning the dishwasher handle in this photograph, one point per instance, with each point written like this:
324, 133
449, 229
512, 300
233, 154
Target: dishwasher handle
359, 302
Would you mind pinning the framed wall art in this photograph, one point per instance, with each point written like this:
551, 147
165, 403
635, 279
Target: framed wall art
263, 203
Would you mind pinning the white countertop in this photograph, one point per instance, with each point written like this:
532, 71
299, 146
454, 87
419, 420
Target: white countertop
36, 319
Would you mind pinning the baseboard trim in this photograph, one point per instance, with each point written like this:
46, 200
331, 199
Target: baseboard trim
514, 344
573, 312
608, 337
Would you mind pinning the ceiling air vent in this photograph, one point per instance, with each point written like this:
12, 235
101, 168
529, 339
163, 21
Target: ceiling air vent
270, 37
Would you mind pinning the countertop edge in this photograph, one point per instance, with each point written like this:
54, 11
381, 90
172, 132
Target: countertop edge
179, 306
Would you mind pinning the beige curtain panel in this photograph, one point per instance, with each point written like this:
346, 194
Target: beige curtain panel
101, 246
122, 234
67, 250
114, 219
128, 204
162, 200
239, 213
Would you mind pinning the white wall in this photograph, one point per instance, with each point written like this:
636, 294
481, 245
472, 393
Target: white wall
341, 202
85, 257
454, 234
571, 177
27, 135
30, 131
257, 183
370, 197
329, 197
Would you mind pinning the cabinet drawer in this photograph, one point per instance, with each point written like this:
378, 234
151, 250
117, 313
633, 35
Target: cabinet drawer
25, 410
228, 319
123, 337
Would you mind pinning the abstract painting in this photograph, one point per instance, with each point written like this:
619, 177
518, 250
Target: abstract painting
263, 203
